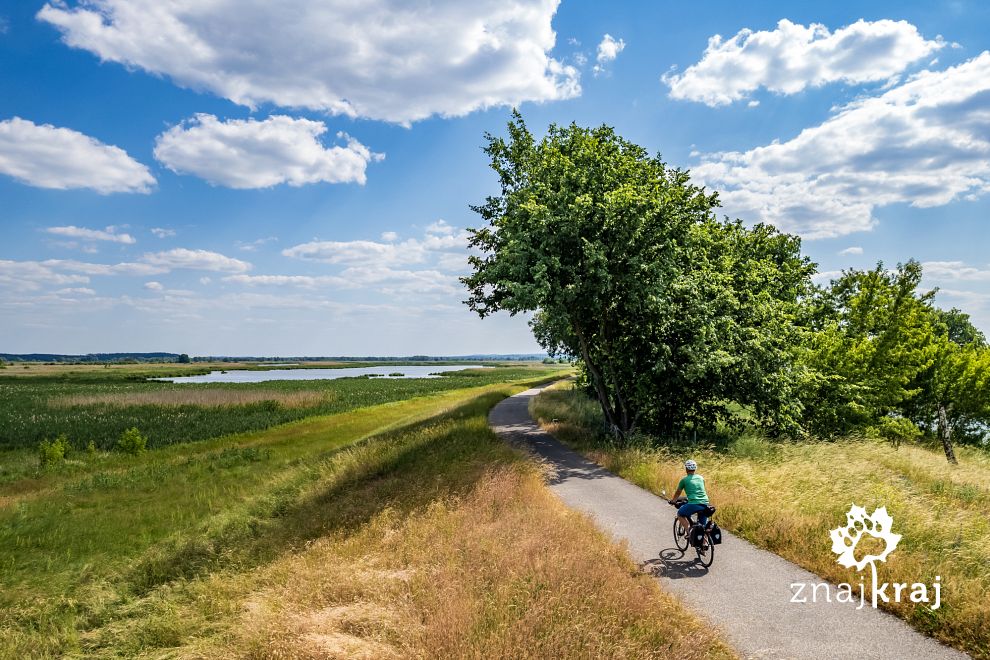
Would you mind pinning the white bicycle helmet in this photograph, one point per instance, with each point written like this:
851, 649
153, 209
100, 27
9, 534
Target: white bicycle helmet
690, 465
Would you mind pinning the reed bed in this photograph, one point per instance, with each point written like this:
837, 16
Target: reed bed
211, 398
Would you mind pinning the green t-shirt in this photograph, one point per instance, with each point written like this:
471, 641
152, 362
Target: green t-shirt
693, 486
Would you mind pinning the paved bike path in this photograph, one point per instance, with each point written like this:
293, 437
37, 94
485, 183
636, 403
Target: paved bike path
746, 592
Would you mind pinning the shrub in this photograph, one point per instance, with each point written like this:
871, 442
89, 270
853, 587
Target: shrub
895, 429
131, 441
52, 452
91, 448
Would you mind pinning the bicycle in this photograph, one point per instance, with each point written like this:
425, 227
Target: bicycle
704, 538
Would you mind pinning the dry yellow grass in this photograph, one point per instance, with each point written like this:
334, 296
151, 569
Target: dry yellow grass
196, 397
786, 497
502, 572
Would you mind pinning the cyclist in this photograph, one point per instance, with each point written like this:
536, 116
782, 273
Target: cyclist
693, 486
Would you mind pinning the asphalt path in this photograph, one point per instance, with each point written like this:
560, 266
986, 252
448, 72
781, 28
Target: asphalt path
747, 592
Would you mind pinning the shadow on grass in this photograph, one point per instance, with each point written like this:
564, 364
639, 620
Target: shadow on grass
404, 469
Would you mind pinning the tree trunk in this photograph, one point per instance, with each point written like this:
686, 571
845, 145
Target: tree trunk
945, 434
597, 381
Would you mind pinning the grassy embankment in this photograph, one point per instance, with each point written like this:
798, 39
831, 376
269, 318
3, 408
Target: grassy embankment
404, 528
785, 497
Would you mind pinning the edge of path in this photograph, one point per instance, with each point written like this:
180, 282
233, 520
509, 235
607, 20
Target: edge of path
746, 593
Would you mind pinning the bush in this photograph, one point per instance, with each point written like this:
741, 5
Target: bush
131, 441
52, 452
91, 448
894, 429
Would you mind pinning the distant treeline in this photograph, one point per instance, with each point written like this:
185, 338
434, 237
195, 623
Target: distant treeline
181, 357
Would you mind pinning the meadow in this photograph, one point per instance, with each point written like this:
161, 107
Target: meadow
785, 497
95, 404
403, 528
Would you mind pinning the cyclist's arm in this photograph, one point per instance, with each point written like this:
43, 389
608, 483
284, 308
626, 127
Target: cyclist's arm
676, 495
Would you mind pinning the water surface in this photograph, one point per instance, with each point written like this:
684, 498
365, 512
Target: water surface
248, 376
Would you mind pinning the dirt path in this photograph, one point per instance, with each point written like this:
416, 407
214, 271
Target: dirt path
747, 592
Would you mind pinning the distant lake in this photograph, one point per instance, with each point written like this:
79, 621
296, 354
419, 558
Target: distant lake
247, 376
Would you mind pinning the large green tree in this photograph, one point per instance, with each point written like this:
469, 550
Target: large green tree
674, 314
954, 391
872, 337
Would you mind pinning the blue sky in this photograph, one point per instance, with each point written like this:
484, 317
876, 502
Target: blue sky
215, 177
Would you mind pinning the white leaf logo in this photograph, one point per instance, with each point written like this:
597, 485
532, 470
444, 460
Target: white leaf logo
845, 539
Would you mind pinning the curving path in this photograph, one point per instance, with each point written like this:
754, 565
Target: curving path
747, 591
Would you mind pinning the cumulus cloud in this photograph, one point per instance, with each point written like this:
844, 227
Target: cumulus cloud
923, 143
608, 50
32, 275
154, 286
259, 154
438, 237
855, 249
792, 57
162, 232
109, 234
382, 59
46, 156
954, 271
195, 260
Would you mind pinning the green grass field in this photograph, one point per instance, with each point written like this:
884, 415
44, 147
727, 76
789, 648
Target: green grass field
90, 405
399, 529
785, 497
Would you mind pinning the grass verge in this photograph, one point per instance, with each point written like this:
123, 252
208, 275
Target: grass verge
786, 497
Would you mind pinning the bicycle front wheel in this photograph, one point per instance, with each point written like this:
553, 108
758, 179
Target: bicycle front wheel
706, 552
681, 539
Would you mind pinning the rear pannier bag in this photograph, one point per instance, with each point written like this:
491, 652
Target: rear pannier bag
716, 534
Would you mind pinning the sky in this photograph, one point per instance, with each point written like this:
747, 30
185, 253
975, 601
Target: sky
253, 178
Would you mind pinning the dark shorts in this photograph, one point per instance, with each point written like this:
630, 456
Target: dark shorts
689, 509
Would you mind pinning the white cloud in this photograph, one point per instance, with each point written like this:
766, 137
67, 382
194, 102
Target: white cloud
851, 250
109, 234
125, 268
954, 271
389, 236
76, 291
922, 143
252, 246
49, 157
162, 232
154, 286
792, 57
438, 237
260, 154
306, 281
608, 50
381, 59
32, 275
195, 260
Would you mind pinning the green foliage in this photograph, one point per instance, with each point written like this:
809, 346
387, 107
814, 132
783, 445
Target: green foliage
53, 452
672, 312
91, 448
894, 428
872, 336
131, 441
183, 359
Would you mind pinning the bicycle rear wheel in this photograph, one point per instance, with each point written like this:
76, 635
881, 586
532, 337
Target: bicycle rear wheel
681, 540
706, 553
